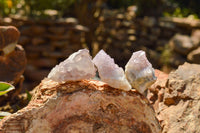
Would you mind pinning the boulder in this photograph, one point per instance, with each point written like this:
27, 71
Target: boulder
194, 56
182, 44
176, 99
83, 106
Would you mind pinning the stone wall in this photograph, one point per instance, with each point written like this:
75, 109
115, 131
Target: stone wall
46, 43
119, 33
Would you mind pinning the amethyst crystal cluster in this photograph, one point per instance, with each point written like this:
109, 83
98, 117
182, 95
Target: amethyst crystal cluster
138, 74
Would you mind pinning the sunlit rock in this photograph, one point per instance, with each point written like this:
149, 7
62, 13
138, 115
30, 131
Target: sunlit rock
78, 66
139, 71
110, 72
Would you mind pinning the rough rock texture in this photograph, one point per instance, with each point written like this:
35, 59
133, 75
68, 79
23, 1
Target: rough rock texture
194, 56
12, 56
13, 65
156, 91
182, 44
77, 66
176, 99
139, 71
85, 106
8, 35
110, 72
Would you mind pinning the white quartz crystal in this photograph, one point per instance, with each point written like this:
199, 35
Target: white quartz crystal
78, 66
139, 71
110, 72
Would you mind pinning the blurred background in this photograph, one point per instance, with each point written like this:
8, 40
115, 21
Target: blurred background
167, 30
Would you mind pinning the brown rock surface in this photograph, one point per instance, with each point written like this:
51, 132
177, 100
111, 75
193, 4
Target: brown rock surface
177, 103
12, 56
12, 65
8, 35
83, 106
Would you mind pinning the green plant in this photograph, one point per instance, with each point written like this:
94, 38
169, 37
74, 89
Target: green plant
183, 8
181, 12
29, 96
9, 7
37, 7
34, 7
5, 88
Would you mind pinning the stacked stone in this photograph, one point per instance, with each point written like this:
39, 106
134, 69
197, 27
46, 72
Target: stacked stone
47, 43
120, 33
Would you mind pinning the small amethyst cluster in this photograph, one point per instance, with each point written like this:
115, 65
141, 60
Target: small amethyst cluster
138, 74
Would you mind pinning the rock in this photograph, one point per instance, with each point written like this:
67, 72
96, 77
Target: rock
156, 31
194, 56
39, 48
12, 65
57, 30
168, 25
139, 71
81, 28
23, 40
110, 72
38, 41
149, 21
34, 74
120, 16
182, 44
156, 90
59, 44
43, 62
77, 66
162, 79
178, 101
37, 30
82, 106
54, 55
131, 31
9, 35
196, 37
26, 30
71, 21
132, 38
153, 38
54, 37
